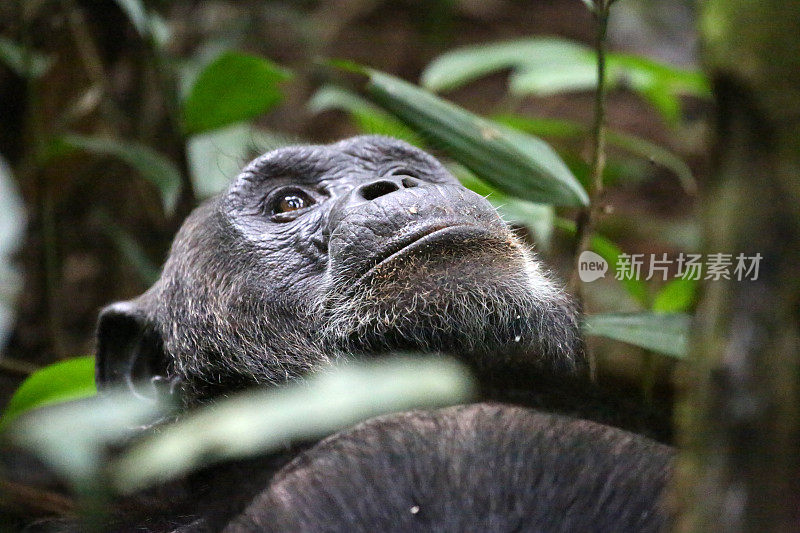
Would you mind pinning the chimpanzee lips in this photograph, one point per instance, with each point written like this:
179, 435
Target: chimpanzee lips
427, 238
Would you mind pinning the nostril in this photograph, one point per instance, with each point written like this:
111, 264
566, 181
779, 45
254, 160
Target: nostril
409, 182
378, 189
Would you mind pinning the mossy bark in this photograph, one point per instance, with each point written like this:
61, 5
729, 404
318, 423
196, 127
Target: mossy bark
739, 417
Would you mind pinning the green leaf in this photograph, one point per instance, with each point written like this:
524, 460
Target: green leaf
664, 333
233, 88
151, 165
459, 67
73, 438
57, 383
567, 129
677, 296
368, 117
23, 61
645, 72
518, 164
545, 79
263, 420
545, 65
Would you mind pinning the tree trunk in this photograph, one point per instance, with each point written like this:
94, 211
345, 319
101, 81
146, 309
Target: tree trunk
739, 416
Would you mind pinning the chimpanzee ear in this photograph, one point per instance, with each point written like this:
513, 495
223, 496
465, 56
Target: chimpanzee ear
130, 351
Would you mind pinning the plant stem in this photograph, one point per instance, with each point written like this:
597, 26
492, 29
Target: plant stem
587, 218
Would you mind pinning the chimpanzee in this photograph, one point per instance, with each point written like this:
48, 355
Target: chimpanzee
482, 467
364, 247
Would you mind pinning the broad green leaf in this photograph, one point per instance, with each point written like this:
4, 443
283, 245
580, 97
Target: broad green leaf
23, 61
368, 117
646, 71
263, 420
233, 88
666, 333
677, 296
73, 438
516, 163
545, 79
610, 252
546, 65
12, 224
567, 129
57, 383
461, 66
151, 165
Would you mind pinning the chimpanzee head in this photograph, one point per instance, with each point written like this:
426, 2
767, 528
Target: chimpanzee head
361, 247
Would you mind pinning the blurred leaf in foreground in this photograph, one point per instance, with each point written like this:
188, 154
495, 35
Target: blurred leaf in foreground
73, 437
60, 382
263, 420
233, 88
666, 333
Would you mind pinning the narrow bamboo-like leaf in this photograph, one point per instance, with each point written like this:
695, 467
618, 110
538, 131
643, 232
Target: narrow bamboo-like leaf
368, 117
57, 383
567, 129
459, 67
233, 88
261, 421
664, 333
23, 61
677, 296
518, 164
151, 165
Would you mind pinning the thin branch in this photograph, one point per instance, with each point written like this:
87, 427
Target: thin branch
587, 218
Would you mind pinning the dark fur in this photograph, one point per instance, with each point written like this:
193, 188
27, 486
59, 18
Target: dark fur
395, 254
247, 300
476, 468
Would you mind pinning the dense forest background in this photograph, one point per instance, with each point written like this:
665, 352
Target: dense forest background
118, 117
95, 231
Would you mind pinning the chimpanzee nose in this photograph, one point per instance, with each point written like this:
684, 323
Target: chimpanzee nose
384, 186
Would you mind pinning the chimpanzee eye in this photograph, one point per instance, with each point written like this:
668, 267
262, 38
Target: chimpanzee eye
288, 201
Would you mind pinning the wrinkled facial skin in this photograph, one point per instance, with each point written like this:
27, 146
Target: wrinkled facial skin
315, 252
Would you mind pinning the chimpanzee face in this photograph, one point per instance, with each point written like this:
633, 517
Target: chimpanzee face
316, 252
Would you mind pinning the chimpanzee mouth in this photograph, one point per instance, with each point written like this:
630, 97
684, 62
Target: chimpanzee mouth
425, 238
